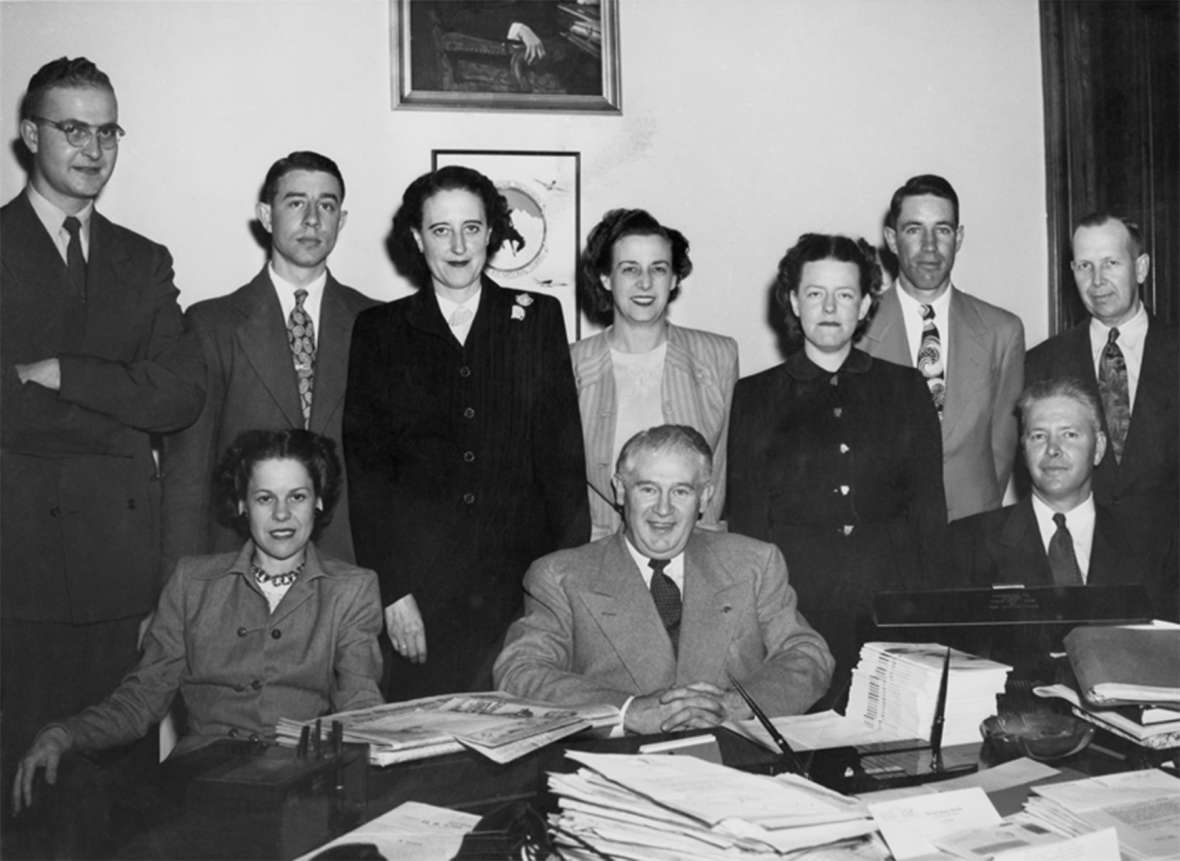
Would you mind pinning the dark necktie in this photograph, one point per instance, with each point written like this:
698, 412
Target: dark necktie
930, 359
301, 335
1062, 560
1116, 396
666, 597
74, 259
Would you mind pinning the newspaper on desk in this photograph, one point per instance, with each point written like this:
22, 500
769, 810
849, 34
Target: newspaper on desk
496, 725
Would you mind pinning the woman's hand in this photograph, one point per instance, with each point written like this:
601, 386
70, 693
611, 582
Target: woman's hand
403, 624
46, 752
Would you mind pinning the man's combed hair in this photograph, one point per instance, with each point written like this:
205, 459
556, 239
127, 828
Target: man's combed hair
664, 438
1059, 387
918, 186
62, 72
298, 160
1101, 217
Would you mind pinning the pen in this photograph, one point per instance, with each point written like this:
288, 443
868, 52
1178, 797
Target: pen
939, 716
775, 735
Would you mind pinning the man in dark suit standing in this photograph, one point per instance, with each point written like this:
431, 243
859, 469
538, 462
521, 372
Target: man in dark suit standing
970, 352
1129, 359
1059, 535
275, 352
94, 360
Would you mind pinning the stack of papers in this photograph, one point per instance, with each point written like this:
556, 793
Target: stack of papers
679, 808
895, 688
1143, 807
1157, 736
499, 726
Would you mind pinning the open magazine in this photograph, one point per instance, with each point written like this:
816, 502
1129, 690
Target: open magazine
497, 725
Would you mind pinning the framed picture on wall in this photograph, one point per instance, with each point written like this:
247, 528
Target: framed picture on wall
533, 55
543, 191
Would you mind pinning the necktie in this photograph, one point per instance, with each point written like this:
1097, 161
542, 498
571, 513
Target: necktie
1116, 397
666, 597
930, 359
74, 259
301, 336
1062, 560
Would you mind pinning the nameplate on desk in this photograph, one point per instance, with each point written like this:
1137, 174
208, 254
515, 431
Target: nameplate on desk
1011, 605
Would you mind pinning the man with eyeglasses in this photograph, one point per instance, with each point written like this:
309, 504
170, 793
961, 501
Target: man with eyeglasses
94, 361
1129, 359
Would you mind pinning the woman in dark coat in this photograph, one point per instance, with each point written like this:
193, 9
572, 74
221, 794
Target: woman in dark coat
836, 456
461, 436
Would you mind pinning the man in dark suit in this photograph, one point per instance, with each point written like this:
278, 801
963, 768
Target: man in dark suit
1129, 359
1060, 535
971, 352
659, 617
94, 360
276, 354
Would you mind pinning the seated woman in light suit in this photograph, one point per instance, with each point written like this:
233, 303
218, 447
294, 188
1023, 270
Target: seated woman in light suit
642, 371
274, 630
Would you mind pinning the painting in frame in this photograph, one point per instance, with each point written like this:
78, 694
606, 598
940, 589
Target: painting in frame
543, 193
532, 55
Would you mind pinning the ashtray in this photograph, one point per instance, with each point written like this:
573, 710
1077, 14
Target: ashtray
1042, 736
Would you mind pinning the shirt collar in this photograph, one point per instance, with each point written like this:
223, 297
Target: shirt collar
52, 216
314, 288
449, 306
675, 568
803, 369
941, 305
1081, 514
1134, 329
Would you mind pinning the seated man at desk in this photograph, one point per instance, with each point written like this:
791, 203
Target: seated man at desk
1058, 535
658, 618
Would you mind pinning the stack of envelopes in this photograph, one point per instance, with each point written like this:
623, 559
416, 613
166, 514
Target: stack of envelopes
679, 808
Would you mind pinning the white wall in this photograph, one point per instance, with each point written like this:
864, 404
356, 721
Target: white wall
745, 123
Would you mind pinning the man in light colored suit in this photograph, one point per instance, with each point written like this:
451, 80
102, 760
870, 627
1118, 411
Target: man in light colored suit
276, 355
971, 352
657, 618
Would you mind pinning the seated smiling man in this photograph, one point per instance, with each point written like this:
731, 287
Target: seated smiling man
656, 618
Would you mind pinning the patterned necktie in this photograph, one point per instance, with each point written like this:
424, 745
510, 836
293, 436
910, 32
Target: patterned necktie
74, 259
666, 597
1062, 560
1116, 397
301, 336
930, 359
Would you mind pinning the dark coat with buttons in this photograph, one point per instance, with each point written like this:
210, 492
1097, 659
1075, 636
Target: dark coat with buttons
79, 492
844, 473
465, 463
238, 666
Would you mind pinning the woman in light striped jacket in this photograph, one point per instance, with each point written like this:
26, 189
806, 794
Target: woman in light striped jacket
642, 370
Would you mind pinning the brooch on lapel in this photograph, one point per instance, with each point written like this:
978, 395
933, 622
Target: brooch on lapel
523, 300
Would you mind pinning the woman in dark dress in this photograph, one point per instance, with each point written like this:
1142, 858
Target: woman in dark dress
461, 436
835, 456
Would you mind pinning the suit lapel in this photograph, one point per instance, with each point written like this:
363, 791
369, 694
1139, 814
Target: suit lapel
1021, 542
424, 315
1154, 381
679, 365
1111, 560
331, 356
623, 610
712, 601
262, 338
886, 338
967, 368
43, 277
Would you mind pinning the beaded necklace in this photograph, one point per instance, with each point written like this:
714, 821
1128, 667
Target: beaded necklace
284, 579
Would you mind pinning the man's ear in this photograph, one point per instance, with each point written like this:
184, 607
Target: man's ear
1099, 447
616, 482
706, 495
891, 239
1142, 267
30, 135
262, 210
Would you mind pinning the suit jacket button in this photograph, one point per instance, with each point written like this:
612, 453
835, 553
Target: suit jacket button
469, 498
465, 372
256, 684
55, 511
241, 632
254, 737
468, 457
233, 733
469, 413
276, 634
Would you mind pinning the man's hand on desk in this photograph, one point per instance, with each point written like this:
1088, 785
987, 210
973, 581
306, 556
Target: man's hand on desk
46, 752
696, 706
46, 372
403, 624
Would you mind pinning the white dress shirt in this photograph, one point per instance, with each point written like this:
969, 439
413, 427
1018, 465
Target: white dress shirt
1080, 523
54, 219
286, 293
911, 314
448, 307
1132, 334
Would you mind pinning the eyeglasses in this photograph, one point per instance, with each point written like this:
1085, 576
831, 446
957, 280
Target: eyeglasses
79, 134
